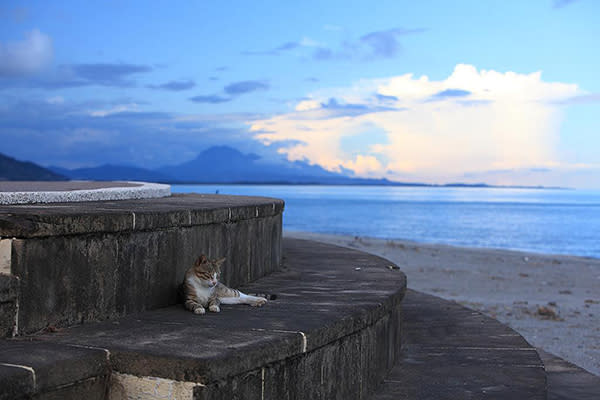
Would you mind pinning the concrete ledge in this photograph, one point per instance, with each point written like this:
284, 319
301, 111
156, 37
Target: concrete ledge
333, 332
451, 352
77, 191
80, 262
52, 370
177, 211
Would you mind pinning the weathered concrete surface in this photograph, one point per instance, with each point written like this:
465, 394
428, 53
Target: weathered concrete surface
566, 381
450, 352
9, 304
179, 210
333, 333
92, 261
15, 192
49, 370
15, 382
126, 387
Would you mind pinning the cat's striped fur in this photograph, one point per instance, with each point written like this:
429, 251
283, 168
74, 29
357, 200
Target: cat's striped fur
202, 289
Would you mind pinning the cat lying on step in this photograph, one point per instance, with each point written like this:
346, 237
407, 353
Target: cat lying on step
202, 289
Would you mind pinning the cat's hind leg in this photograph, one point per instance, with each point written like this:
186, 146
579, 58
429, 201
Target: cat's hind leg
254, 301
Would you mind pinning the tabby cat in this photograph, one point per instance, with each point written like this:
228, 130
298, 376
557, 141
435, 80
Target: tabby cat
202, 289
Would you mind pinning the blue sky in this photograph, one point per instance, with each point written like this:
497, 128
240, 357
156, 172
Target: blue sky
504, 92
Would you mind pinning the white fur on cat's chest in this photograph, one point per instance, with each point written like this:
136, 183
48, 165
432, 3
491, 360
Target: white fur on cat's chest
203, 293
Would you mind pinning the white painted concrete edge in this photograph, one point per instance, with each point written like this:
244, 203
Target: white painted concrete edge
145, 191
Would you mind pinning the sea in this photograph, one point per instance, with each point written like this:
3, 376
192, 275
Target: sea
551, 221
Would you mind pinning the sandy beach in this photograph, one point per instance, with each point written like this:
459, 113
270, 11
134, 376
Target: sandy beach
552, 300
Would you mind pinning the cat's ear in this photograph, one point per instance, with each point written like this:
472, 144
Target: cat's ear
201, 260
220, 262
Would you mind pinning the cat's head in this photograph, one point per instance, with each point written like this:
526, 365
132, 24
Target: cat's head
208, 271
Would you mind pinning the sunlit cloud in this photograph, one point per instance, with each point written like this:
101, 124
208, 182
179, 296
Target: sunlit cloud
414, 128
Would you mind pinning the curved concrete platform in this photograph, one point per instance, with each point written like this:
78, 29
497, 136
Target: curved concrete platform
333, 332
452, 352
76, 191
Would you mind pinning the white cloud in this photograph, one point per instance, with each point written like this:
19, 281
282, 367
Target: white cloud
55, 100
332, 28
364, 165
437, 131
119, 108
26, 56
308, 42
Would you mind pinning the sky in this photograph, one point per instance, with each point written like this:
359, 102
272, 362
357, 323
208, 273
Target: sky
502, 92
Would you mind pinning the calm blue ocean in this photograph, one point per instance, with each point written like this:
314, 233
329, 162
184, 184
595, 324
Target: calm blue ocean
543, 221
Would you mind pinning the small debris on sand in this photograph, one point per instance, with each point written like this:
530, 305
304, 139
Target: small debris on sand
547, 313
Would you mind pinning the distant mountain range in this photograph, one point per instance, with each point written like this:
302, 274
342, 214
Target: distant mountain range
109, 172
15, 170
220, 164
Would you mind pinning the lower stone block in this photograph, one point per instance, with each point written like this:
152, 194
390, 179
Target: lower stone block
125, 387
348, 368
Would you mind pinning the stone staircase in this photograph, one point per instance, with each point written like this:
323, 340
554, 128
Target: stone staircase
68, 263
100, 280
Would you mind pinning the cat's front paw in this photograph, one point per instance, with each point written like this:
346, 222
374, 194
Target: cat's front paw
259, 302
214, 308
199, 310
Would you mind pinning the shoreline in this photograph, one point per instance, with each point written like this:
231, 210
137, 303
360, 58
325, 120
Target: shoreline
553, 301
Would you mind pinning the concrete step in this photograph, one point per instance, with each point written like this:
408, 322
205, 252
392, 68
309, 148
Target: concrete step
451, 352
52, 371
567, 381
67, 263
333, 332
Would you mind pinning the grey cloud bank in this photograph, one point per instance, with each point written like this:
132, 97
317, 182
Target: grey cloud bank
174, 85
243, 87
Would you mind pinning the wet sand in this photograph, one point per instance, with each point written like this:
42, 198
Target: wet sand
552, 300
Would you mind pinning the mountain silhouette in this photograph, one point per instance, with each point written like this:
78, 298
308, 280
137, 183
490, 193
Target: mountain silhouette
110, 172
15, 170
223, 164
